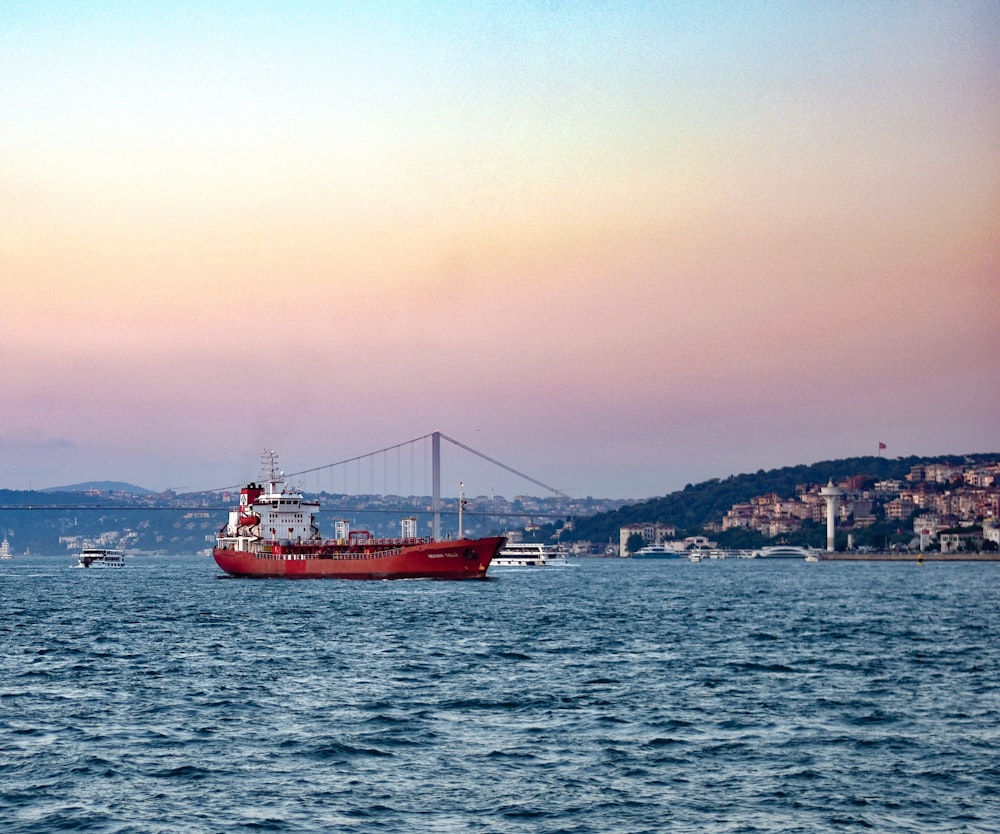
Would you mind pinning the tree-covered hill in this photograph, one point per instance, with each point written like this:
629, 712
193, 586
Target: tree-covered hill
44, 498
103, 487
694, 506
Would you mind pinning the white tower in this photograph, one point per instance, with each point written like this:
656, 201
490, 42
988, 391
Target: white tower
832, 495
409, 527
342, 529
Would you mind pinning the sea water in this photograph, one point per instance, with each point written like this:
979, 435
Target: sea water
606, 696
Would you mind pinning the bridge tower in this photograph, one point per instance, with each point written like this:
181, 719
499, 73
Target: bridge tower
436, 483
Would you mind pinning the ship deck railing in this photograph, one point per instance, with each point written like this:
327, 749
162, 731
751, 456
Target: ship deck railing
373, 548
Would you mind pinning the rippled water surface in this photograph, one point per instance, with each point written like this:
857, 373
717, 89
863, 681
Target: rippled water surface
610, 696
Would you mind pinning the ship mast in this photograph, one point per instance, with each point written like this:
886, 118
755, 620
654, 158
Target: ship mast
269, 470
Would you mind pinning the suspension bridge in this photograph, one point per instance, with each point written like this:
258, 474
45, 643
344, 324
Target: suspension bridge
393, 471
384, 459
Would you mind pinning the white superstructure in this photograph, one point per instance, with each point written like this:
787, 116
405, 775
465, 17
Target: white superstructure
270, 512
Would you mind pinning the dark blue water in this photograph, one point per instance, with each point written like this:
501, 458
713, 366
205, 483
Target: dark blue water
613, 696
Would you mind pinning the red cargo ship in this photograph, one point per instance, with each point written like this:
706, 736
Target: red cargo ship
273, 533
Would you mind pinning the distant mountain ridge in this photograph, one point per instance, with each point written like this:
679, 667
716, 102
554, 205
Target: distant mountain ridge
102, 486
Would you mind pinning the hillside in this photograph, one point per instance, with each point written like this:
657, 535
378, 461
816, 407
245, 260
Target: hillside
694, 506
102, 486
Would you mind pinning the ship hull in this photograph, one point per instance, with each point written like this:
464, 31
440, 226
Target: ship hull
457, 559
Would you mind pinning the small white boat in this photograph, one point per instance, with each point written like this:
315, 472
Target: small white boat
784, 551
658, 551
100, 557
694, 557
812, 557
529, 555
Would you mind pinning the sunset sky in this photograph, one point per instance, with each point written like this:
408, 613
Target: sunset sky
618, 246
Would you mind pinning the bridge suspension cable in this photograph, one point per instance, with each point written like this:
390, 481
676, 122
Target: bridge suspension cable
357, 458
488, 459
415, 440
436, 438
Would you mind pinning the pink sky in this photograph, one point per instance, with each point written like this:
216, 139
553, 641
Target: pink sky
620, 250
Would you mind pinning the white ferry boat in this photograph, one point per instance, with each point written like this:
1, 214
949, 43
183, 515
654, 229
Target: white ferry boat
5, 549
784, 551
658, 551
529, 555
100, 557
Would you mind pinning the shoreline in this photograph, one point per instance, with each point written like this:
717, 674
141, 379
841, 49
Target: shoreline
909, 557
840, 556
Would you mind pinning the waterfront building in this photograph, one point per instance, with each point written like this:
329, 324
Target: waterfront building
651, 532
